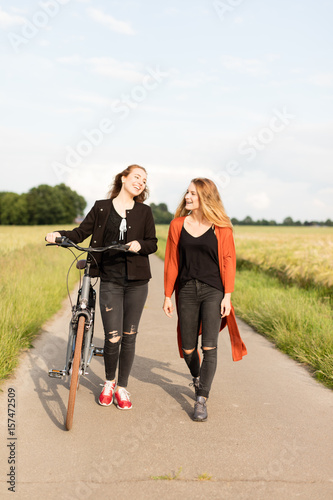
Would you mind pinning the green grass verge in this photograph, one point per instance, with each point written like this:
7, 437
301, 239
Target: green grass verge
33, 286
162, 234
297, 320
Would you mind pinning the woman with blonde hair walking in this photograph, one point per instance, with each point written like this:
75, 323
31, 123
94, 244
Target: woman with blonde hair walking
200, 266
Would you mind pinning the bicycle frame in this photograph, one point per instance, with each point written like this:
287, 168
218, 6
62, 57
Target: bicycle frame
85, 306
80, 348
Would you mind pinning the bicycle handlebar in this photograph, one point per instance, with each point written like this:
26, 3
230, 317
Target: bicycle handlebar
66, 243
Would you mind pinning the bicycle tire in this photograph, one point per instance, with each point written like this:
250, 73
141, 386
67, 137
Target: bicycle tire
75, 372
70, 354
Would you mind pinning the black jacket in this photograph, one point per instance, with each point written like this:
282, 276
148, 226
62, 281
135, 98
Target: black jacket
140, 227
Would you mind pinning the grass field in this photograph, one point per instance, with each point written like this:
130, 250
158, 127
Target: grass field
284, 290
33, 285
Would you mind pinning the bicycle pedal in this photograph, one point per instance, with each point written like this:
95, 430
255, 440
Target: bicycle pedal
56, 373
98, 351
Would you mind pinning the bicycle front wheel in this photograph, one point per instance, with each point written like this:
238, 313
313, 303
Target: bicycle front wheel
75, 372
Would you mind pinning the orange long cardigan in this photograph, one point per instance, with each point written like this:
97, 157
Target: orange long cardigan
227, 264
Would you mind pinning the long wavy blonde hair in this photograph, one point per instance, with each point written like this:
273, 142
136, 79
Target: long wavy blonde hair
117, 184
210, 203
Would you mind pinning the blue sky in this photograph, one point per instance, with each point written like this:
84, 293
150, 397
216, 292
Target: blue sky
240, 91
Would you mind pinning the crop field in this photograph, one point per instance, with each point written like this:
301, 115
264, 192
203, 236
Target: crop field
301, 254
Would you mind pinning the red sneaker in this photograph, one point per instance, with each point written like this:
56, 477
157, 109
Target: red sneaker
122, 399
106, 396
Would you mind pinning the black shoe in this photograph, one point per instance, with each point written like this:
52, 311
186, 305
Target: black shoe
200, 410
195, 384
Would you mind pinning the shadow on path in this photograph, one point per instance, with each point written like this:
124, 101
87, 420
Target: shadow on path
151, 371
47, 389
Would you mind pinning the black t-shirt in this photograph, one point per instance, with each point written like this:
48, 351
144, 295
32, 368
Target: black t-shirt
113, 267
198, 259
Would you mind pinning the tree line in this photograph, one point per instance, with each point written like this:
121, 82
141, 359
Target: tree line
61, 205
41, 205
288, 221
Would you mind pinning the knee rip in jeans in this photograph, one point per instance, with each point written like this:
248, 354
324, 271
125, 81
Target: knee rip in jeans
114, 336
188, 351
132, 331
208, 348
108, 309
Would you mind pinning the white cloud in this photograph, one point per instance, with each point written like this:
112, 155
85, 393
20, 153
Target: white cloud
75, 59
44, 43
18, 10
322, 79
263, 195
89, 98
116, 69
9, 20
192, 80
324, 200
259, 201
166, 185
110, 22
107, 66
253, 67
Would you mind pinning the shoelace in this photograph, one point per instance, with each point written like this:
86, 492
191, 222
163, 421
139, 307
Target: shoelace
195, 383
108, 388
123, 394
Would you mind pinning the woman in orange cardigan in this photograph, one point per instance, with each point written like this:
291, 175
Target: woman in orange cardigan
200, 266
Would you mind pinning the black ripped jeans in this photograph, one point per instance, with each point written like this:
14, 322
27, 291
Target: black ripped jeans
199, 303
121, 309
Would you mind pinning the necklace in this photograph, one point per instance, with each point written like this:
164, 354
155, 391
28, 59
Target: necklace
121, 209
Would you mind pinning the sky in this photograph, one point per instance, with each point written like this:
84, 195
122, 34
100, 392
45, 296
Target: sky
239, 91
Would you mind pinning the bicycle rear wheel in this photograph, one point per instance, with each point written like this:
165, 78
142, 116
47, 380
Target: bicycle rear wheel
75, 372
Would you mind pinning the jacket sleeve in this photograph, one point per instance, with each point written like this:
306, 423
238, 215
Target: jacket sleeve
149, 241
171, 262
85, 229
229, 262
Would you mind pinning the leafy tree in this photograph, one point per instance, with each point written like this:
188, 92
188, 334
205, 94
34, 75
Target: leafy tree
288, 221
44, 206
73, 204
161, 213
41, 205
248, 220
54, 205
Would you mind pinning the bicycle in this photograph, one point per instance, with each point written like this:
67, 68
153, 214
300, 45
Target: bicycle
80, 348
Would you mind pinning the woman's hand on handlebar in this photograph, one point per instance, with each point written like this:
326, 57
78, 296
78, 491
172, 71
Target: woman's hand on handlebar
134, 246
50, 237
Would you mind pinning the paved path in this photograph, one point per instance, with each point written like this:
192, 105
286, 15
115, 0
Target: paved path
268, 436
